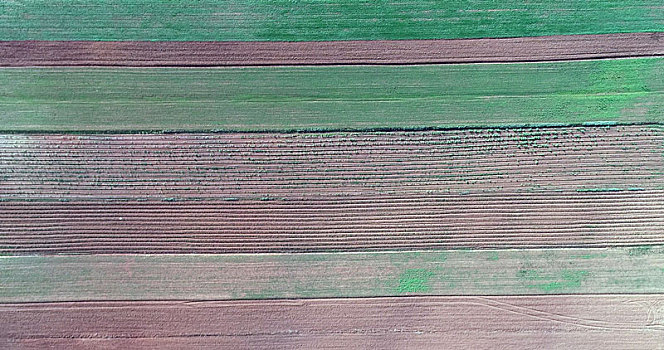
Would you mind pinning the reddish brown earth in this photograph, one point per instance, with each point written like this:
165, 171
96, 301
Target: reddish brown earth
147, 54
381, 223
286, 167
247, 193
546, 322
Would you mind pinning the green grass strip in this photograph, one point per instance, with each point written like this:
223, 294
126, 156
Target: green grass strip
457, 272
301, 20
331, 97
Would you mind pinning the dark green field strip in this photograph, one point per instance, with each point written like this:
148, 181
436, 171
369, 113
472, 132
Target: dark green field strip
234, 20
264, 276
331, 97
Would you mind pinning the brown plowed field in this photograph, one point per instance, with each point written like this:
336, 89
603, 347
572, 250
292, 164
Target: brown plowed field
242, 193
384, 223
154, 53
524, 322
330, 165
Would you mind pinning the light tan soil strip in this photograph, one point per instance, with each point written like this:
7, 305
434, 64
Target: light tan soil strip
153, 54
551, 322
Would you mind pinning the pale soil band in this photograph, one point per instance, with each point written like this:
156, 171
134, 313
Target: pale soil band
551, 322
240, 53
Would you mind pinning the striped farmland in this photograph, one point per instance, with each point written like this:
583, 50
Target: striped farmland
331, 174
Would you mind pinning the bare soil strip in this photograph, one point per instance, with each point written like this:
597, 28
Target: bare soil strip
361, 224
256, 53
551, 322
284, 167
258, 193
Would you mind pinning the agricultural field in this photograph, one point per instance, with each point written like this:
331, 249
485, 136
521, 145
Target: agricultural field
72, 278
343, 191
579, 320
420, 322
329, 20
323, 98
261, 53
331, 174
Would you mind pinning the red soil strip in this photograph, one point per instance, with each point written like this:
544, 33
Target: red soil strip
152, 54
249, 193
551, 322
362, 224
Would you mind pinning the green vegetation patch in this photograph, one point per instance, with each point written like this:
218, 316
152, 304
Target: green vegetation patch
332, 97
415, 281
322, 275
298, 20
566, 280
